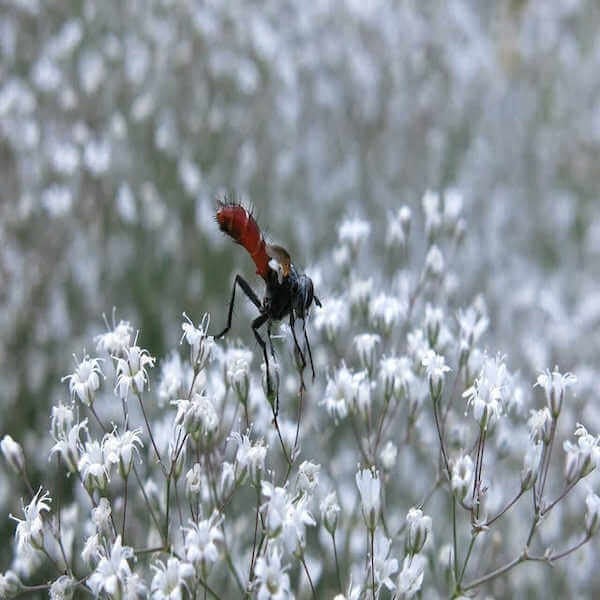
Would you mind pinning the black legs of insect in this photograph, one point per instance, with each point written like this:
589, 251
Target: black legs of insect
249, 292
256, 325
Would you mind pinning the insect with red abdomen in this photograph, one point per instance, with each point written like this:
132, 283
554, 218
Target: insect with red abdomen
288, 292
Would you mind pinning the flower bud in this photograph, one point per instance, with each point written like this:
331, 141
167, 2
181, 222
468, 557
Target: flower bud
592, 515
330, 510
418, 528
13, 453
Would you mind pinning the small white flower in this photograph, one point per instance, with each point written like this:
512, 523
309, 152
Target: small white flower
487, 392
84, 382
388, 455
63, 588
200, 342
10, 585
472, 325
30, 530
434, 262
384, 566
435, 368
360, 292
275, 507
101, 517
434, 318
170, 579
112, 570
554, 385
531, 464
432, 210
333, 317
271, 580
592, 515
330, 510
308, 477
354, 232
386, 311
237, 370
417, 530
93, 466
172, 377
201, 541
540, 425
13, 453
116, 341
120, 449
398, 227
410, 578
68, 445
198, 415
462, 475
250, 458
369, 486
131, 371
296, 518
365, 344
396, 374
584, 457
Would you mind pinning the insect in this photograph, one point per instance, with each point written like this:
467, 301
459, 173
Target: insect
288, 293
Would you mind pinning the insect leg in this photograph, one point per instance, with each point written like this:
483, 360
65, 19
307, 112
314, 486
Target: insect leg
312, 367
297, 346
256, 325
239, 280
276, 371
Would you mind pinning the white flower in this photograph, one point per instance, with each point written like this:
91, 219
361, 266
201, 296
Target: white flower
369, 486
384, 566
68, 445
131, 371
112, 570
333, 317
93, 466
195, 482
584, 457
308, 477
434, 262
101, 517
13, 453
271, 578
275, 507
61, 421
417, 530
354, 232
592, 515
63, 588
115, 341
360, 291
540, 425
347, 390
30, 530
472, 325
201, 541
487, 392
365, 344
84, 382
120, 449
172, 376
435, 368
388, 455
554, 385
410, 578
433, 215
170, 579
434, 318
10, 585
197, 415
531, 464
398, 227
237, 370
396, 374
462, 475
200, 342
386, 311
330, 510
250, 458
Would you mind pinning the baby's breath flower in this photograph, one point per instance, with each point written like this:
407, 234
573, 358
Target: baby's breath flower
120, 449
61, 421
435, 368
275, 507
297, 517
197, 415
170, 579
84, 382
384, 566
360, 292
63, 588
432, 209
554, 385
365, 344
30, 529
201, 541
10, 585
13, 453
227, 479
172, 377
341, 392
388, 455
237, 370
531, 464
369, 486
333, 317
386, 311
398, 227
101, 517
462, 475
472, 325
308, 477
271, 580
330, 510
116, 341
93, 466
592, 515
68, 445
199, 341
584, 457
487, 392
194, 482
354, 232
112, 570
434, 317
411, 576
249, 458
131, 371
417, 530
540, 425
434, 263
417, 345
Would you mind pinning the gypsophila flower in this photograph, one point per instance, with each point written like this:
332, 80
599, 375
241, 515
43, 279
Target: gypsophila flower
383, 566
171, 579
271, 580
197, 415
68, 445
131, 371
63, 588
297, 517
249, 458
116, 341
531, 464
92, 466
61, 421
354, 232
472, 326
369, 486
540, 425
227, 480
84, 382
275, 507
112, 570
396, 375
10, 585
360, 292
30, 529
584, 457
398, 227
433, 216
91, 550
13, 453
417, 345
194, 482
199, 341
201, 540
434, 317
486, 394
592, 514
418, 528
435, 368
386, 311
434, 263
462, 475
388, 455
554, 385
121, 449
411, 576
330, 510
365, 344
333, 317
308, 477
237, 370
172, 376
341, 392
102, 517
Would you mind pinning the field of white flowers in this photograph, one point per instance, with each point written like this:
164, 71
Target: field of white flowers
432, 166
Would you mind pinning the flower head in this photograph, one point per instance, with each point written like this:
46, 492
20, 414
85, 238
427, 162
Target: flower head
271, 580
84, 382
131, 371
369, 486
554, 385
30, 529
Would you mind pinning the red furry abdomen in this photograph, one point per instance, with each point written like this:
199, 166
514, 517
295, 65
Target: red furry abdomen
238, 223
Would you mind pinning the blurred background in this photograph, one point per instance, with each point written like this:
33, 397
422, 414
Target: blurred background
120, 122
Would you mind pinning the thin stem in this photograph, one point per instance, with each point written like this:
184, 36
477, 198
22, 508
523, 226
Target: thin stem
493, 574
124, 510
310, 581
454, 537
439, 431
139, 397
505, 509
373, 562
464, 567
251, 571
337, 563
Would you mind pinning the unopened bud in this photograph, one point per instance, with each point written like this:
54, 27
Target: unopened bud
13, 453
